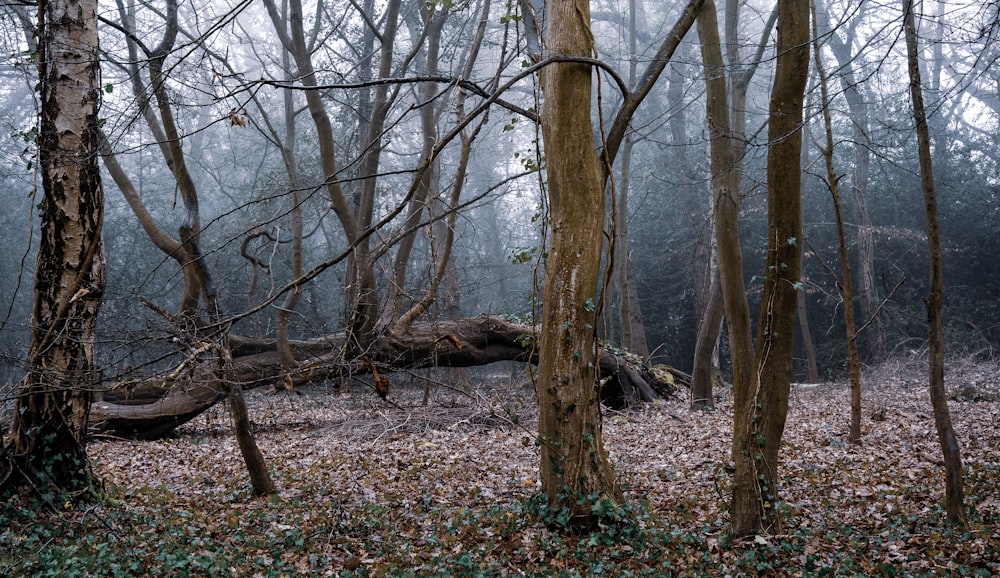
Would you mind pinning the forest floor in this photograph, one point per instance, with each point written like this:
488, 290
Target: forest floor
444, 481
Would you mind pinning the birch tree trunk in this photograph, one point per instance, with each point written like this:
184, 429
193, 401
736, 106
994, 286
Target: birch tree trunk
54, 399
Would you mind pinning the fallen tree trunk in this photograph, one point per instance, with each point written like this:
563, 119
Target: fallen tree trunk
153, 409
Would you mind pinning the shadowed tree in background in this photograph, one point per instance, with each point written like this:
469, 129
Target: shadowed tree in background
633, 327
845, 283
54, 398
857, 99
727, 130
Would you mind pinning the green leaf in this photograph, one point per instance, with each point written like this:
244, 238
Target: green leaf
109, 88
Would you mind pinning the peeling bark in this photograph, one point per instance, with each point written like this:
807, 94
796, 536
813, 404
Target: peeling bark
54, 398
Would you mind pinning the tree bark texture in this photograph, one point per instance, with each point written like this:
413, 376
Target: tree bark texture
574, 464
760, 404
54, 399
954, 491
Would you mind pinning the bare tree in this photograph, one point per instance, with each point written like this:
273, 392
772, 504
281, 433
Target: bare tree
954, 492
857, 103
845, 283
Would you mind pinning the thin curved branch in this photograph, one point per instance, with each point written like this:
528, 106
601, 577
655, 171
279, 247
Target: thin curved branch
634, 98
466, 84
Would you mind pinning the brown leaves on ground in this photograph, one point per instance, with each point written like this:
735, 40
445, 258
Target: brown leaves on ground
371, 487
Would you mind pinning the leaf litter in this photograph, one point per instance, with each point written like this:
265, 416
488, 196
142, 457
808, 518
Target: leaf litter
442, 480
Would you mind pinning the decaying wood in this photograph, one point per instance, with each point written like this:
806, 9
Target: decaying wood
154, 408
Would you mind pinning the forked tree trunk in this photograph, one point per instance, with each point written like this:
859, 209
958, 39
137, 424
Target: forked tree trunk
954, 492
574, 464
362, 296
761, 403
726, 188
725, 185
54, 399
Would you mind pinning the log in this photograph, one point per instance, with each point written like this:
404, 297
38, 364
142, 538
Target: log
150, 410
158, 418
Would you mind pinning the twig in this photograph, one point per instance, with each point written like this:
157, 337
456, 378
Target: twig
881, 305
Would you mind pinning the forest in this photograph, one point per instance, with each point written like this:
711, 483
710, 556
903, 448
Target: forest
468, 288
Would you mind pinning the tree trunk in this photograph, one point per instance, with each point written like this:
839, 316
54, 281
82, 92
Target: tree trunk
629, 311
954, 492
260, 479
857, 104
808, 344
283, 317
184, 249
726, 195
705, 344
633, 334
845, 284
429, 112
807, 340
575, 469
54, 399
362, 298
761, 403
727, 184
